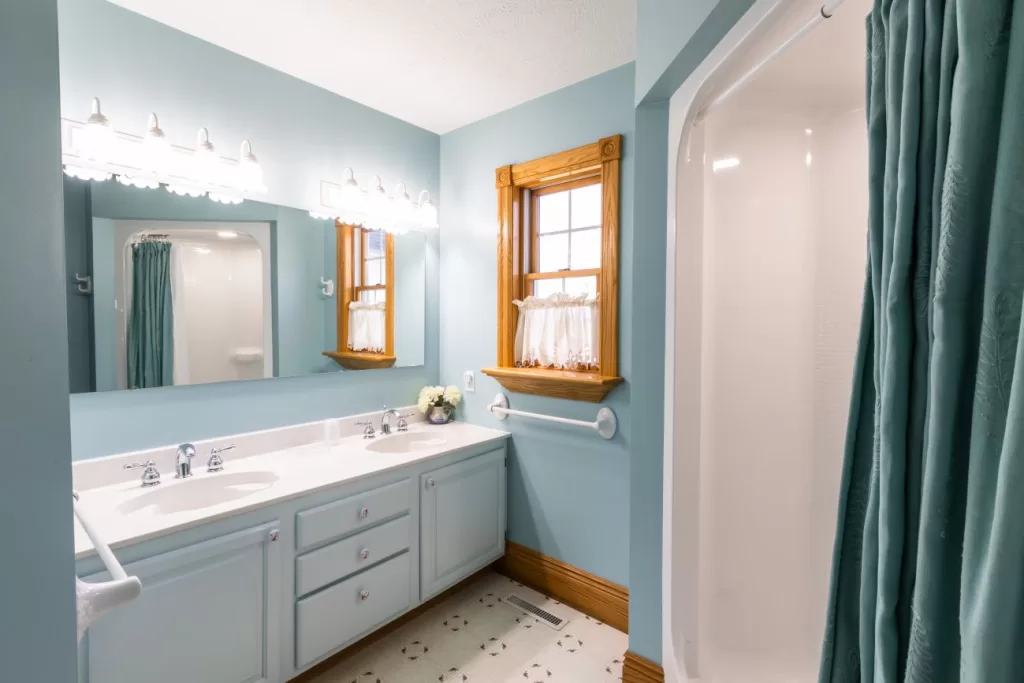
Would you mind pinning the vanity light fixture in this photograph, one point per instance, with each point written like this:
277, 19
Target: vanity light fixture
95, 151
155, 152
351, 196
99, 140
250, 173
374, 210
427, 211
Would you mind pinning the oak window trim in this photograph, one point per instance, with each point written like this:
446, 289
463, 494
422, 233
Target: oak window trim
348, 292
602, 159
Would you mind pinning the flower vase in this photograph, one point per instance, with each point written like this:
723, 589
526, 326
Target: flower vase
439, 415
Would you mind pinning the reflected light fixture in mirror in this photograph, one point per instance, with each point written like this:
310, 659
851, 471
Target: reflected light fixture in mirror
374, 210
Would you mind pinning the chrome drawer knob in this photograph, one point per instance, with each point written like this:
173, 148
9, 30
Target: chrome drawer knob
364, 513
364, 596
364, 554
430, 483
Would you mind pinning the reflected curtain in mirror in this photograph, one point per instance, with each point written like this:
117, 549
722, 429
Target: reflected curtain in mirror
151, 328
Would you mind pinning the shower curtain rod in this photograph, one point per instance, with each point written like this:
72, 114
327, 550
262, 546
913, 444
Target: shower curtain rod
825, 12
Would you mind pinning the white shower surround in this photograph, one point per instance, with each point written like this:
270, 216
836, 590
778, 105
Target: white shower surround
685, 550
124, 230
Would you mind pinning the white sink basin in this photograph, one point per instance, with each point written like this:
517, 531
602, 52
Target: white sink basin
202, 491
406, 442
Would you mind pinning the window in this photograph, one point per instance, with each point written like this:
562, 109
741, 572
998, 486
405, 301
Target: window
558, 273
366, 273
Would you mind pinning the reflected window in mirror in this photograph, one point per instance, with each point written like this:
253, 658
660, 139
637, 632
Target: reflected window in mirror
366, 301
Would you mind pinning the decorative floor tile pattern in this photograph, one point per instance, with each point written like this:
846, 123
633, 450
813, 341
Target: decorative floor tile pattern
473, 637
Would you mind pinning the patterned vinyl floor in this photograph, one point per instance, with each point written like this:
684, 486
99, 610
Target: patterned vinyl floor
472, 637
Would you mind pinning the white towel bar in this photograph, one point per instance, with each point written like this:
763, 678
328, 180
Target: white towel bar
606, 423
96, 599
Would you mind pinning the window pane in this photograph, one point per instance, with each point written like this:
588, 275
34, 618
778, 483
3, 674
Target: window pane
375, 244
547, 287
581, 285
586, 249
372, 296
586, 206
554, 253
554, 212
373, 273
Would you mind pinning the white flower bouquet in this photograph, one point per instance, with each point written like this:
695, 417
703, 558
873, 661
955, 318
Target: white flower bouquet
439, 403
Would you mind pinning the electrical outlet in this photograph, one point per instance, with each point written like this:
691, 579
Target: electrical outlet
469, 381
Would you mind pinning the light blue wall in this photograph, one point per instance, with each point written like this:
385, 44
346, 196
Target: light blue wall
37, 599
674, 36
568, 491
645, 474
301, 134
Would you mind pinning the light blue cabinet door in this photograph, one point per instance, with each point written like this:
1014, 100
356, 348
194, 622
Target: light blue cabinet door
462, 520
208, 613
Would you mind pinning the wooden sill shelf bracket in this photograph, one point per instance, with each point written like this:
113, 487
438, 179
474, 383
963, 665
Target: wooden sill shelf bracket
605, 425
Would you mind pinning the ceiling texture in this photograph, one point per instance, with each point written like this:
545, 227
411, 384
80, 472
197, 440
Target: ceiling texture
438, 64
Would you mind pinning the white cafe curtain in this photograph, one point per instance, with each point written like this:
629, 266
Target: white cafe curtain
557, 331
366, 327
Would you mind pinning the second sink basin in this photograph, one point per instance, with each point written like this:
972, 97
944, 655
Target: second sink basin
406, 442
202, 491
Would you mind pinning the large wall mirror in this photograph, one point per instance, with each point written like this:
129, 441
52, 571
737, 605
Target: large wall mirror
168, 290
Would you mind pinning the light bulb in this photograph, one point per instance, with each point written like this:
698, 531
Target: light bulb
250, 173
403, 210
378, 207
99, 139
427, 212
207, 168
156, 149
352, 199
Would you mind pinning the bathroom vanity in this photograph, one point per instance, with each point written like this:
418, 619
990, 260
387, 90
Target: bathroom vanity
309, 539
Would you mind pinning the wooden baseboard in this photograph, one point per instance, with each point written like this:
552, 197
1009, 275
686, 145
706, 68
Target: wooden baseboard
309, 674
637, 669
592, 595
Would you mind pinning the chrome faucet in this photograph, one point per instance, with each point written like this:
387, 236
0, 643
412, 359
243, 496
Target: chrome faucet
385, 420
183, 460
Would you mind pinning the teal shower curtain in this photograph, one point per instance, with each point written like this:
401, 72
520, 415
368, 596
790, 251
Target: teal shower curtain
928, 567
151, 325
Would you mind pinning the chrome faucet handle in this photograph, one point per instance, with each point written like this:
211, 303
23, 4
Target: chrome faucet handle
368, 432
150, 475
216, 463
403, 425
183, 460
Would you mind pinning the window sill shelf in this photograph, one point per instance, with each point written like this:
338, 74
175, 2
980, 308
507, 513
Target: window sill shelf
573, 386
358, 360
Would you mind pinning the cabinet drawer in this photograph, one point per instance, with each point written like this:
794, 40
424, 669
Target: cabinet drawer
360, 511
342, 558
335, 616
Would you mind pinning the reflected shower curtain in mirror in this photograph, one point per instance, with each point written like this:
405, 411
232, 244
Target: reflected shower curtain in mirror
928, 566
151, 325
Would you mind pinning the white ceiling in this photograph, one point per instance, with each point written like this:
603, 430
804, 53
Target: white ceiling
438, 64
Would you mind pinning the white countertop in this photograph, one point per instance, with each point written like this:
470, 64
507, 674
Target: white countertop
299, 470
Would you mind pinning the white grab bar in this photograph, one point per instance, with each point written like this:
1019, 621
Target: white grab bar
606, 423
96, 599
